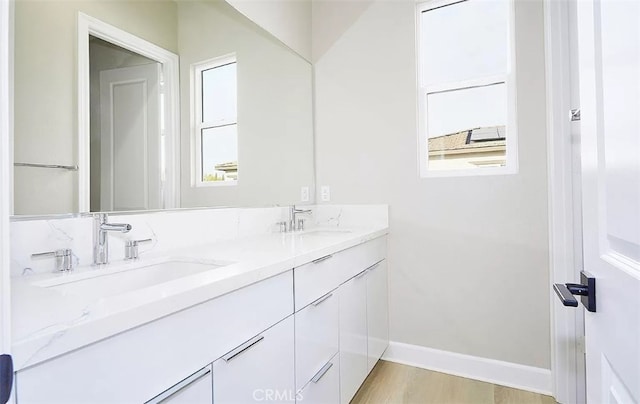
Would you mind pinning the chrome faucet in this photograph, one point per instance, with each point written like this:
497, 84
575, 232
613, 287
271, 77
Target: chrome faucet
293, 223
100, 240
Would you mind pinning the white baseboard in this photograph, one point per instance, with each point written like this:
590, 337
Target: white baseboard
508, 374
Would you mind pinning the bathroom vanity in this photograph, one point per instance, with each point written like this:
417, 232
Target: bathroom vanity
284, 317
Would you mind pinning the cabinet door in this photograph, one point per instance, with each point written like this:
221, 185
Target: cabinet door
324, 386
261, 369
195, 389
353, 336
377, 312
317, 332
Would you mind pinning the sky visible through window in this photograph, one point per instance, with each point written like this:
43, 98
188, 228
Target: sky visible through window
219, 116
462, 42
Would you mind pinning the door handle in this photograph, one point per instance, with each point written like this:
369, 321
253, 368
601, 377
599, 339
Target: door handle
586, 289
6, 377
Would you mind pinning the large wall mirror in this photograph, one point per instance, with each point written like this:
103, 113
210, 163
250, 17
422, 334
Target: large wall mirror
133, 105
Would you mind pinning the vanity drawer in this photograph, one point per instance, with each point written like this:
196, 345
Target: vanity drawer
316, 336
325, 385
320, 276
260, 369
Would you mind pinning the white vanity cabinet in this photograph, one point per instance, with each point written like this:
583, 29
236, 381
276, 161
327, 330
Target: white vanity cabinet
308, 335
341, 320
260, 369
195, 389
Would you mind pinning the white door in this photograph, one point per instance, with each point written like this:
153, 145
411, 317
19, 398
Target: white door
609, 48
130, 162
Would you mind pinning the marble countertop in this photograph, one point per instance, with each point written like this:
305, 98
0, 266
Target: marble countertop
47, 323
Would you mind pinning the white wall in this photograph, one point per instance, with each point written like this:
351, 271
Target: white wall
468, 256
287, 20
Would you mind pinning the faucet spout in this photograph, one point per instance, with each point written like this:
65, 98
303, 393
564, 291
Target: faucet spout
293, 212
100, 239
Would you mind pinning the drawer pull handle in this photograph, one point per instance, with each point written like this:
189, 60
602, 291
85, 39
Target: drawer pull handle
242, 348
322, 372
319, 260
180, 386
322, 299
361, 274
374, 266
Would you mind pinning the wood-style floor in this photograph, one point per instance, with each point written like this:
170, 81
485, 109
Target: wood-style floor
394, 383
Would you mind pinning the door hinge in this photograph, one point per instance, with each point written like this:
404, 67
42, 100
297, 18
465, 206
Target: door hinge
6, 377
575, 115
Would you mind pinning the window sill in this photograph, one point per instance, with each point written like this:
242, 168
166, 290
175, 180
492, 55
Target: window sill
475, 172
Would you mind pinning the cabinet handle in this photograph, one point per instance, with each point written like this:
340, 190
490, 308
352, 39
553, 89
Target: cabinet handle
253, 341
319, 260
186, 382
361, 274
322, 299
322, 372
374, 266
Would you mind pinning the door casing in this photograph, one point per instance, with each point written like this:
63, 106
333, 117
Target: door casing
565, 235
88, 25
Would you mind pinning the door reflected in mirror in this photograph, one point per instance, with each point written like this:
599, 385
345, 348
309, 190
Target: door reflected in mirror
126, 118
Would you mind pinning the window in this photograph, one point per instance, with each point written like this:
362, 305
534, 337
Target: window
467, 97
215, 121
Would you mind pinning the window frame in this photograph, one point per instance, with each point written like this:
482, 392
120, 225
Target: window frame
423, 90
197, 123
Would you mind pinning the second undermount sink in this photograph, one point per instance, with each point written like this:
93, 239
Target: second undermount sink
103, 282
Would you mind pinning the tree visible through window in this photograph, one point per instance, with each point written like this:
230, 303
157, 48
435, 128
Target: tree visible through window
216, 123
466, 109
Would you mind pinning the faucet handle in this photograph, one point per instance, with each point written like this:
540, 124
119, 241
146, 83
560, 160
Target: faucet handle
131, 248
63, 256
283, 226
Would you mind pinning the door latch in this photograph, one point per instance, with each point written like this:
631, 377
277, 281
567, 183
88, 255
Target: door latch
575, 114
586, 289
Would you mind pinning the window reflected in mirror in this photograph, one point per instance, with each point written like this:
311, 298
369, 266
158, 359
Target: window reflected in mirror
216, 117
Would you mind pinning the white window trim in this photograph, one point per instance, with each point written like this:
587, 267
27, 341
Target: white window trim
509, 79
196, 120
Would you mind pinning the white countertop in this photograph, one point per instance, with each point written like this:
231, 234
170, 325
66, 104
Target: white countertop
47, 323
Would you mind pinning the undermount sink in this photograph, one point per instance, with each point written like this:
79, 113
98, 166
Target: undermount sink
101, 282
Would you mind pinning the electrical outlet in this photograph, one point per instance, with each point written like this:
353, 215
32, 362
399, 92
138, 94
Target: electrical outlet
325, 193
304, 194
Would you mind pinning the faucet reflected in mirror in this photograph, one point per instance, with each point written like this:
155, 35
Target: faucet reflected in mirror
100, 238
